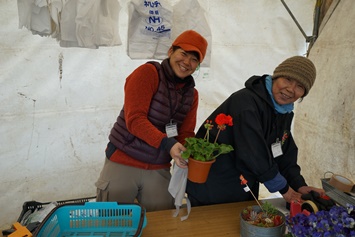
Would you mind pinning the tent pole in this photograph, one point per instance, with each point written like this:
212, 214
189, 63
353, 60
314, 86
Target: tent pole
308, 38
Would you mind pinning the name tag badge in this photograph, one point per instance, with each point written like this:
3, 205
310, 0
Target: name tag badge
276, 149
171, 129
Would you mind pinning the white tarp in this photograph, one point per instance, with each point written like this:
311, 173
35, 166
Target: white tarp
58, 104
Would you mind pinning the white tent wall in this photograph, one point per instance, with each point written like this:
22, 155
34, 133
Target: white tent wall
324, 124
54, 127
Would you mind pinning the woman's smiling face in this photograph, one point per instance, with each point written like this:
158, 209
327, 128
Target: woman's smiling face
183, 63
286, 90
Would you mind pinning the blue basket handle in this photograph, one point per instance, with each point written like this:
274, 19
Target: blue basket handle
110, 204
102, 204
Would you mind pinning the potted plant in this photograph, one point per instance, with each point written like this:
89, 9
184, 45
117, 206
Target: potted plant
201, 153
339, 221
264, 220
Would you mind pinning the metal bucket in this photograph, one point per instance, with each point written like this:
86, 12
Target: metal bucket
249, 230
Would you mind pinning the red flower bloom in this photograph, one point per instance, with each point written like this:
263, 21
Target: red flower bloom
223, 119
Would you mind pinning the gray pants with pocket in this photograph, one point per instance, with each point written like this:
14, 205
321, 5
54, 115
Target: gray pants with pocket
125, 184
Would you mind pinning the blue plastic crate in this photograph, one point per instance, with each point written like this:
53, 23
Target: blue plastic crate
99, 219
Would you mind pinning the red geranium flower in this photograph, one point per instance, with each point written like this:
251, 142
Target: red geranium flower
223, 119
201, 149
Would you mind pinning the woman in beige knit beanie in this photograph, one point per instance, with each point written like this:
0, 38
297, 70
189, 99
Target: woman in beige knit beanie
264, 149
299, 69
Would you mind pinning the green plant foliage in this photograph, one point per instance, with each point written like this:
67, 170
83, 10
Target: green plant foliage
202, 150
269, 208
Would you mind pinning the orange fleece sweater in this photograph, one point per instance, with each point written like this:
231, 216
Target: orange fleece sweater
140, 87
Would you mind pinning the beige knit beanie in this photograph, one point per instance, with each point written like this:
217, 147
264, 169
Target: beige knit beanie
297, 68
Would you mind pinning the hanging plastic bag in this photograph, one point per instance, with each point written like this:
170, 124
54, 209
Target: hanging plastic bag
89, 23
67, 25
149, 29
97, 23
35, 16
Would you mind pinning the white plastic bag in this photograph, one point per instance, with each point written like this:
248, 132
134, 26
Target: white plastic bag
89, 23
177, 188
97, 23
149, 29
34, 15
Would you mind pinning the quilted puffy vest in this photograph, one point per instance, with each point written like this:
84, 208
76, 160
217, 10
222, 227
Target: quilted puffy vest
161, 112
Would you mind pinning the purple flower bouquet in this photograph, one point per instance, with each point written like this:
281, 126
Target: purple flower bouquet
339, 221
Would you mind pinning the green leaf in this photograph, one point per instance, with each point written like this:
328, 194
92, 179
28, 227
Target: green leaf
203, 150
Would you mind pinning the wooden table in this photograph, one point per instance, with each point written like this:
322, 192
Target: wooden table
206, 221
213, 220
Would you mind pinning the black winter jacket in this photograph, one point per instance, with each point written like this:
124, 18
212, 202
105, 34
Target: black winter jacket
256, 126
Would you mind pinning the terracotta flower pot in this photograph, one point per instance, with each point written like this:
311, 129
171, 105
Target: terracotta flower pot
198, 170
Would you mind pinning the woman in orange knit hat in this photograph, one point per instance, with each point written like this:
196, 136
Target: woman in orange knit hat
159, 112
